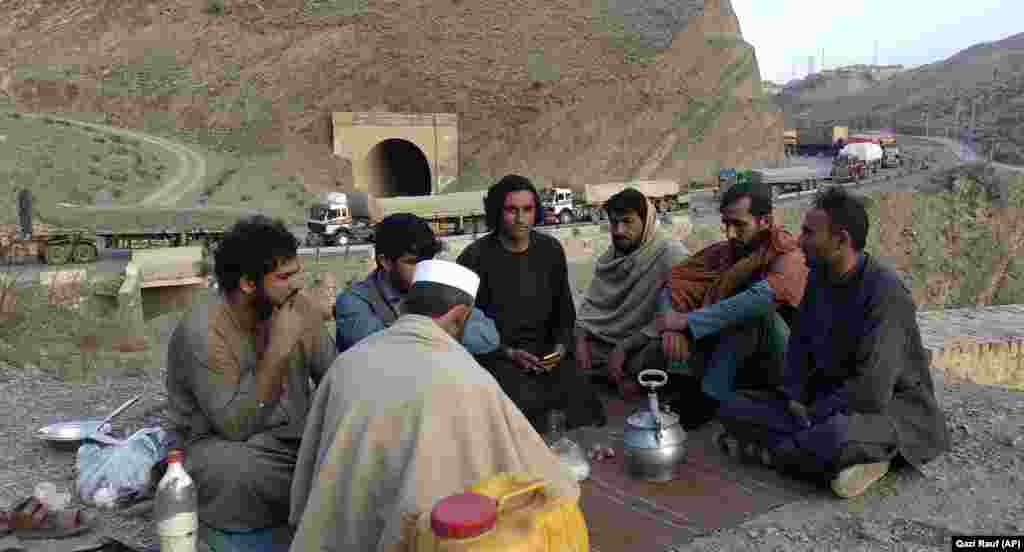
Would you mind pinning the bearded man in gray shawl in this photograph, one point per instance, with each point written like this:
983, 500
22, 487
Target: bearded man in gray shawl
615, 324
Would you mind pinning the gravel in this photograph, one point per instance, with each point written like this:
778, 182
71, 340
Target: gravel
32, 397
977, 488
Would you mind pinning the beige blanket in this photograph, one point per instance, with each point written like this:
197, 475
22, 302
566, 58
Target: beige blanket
403, 419
622, 298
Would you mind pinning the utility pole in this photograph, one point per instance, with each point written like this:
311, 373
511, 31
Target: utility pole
876, 54
927, 123
974, 110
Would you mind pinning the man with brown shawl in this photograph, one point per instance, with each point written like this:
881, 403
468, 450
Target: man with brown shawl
404, 418
731, 305
616, 319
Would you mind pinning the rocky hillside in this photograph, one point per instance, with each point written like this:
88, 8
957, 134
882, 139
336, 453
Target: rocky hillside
567, 91
990, 75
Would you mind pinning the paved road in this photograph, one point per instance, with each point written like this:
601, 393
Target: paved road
187, 178
703, 210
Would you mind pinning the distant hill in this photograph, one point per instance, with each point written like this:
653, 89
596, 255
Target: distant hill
990, 74
567, 92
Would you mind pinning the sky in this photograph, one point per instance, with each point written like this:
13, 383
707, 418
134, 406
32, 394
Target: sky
909, 32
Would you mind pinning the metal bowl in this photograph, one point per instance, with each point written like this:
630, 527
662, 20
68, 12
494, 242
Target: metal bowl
70, 434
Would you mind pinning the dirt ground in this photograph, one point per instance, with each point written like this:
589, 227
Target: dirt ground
977, 488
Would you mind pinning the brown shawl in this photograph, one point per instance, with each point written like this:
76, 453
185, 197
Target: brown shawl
714, 273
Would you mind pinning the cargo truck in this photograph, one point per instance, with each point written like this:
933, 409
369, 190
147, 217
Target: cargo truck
822, 140
790, 138
339, 218
868, 152
567, 206
791, 179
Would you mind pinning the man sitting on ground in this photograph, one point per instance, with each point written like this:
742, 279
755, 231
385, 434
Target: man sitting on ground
728, 305
616, 319
400, 241
238, 371
404, 418
857, 390
525, 289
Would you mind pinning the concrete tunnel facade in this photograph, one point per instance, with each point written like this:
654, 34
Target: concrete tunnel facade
398, 154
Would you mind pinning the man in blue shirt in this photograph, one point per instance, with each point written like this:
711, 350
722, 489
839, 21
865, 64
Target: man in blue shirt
400, 241
857, 390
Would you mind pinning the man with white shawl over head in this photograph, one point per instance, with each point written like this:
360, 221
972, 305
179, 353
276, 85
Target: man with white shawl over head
616, 322
404, 418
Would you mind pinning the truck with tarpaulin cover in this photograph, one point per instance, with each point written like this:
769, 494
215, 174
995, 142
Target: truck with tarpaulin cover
565, 205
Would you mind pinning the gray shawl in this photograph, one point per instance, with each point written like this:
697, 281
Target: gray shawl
622, 297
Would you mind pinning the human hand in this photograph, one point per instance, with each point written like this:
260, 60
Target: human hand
583, 359
524, 360
675, 345
799, 411
616, 362
288, 321
551, 361
671, 321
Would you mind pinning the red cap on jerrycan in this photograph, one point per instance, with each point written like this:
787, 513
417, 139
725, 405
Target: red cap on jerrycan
463, 516
176, 456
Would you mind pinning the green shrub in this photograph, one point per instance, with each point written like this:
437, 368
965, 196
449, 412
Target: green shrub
214, 7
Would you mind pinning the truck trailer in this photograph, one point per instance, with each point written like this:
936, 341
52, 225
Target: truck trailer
781, 180
822, 140
869, 152
339, 218
567, 206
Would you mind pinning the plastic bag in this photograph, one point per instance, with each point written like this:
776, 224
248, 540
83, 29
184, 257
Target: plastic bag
119, 471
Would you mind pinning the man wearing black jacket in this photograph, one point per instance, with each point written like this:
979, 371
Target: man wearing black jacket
524, 288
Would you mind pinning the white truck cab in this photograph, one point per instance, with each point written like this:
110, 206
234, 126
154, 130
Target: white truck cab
328, 220
561, 201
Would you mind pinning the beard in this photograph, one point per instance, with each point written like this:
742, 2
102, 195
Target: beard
263, 305
625, 246
742, 249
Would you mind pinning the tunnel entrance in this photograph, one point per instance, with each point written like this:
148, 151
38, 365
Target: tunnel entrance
398, 168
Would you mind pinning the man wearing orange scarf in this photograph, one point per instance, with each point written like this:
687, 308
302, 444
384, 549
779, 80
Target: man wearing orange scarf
724, 314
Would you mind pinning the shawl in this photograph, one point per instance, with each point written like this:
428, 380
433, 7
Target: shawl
622, 297
714, 273
404, 418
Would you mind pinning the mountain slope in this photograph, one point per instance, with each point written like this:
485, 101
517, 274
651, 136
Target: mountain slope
569, 91
990, 75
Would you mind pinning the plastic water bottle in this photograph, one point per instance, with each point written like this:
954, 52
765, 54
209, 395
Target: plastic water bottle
175, 507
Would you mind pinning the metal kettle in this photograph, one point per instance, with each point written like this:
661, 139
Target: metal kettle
653, 441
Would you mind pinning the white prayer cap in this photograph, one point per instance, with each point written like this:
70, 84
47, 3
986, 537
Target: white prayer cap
449, 273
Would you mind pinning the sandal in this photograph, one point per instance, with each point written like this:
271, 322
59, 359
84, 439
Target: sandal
31, 520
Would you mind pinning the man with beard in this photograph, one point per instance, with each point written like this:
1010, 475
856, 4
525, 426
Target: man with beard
238, 372
730, 306
404, 418
400, 241
857, 391
525, 289
616, 318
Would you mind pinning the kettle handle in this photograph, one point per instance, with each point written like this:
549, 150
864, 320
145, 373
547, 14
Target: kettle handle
529, 487
662, 378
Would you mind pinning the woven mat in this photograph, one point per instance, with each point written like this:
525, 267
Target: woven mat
710, 491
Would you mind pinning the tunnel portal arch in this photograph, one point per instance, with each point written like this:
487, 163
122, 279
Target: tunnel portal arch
387, 147
398, 167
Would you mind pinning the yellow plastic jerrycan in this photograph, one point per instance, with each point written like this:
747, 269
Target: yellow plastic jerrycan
509, 513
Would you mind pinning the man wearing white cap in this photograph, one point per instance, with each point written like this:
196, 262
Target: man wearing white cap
404, 418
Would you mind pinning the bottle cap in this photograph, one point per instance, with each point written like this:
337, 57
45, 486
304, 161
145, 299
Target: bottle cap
176, 456
463, 516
